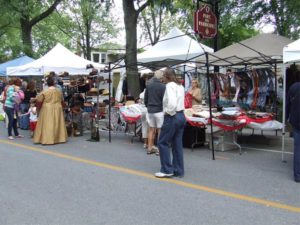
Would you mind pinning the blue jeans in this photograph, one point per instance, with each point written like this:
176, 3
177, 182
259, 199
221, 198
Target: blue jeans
12, 122
296, 134
165, 138
24, 107
171, 133
177, 147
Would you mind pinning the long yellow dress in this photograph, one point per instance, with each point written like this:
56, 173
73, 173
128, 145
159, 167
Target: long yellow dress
50, 128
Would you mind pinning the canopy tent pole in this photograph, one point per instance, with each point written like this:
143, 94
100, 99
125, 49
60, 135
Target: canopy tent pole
283, 113
276, 86
209, 103
109, 102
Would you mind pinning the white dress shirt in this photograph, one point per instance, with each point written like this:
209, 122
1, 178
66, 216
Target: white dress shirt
170, 99
180, 98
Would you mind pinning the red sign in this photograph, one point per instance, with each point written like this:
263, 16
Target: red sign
205, 22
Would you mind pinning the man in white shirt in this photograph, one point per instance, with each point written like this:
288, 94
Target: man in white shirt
172, 129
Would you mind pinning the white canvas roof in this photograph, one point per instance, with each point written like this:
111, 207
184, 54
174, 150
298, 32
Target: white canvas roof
174, 48
291, 52
260, 49
58, 59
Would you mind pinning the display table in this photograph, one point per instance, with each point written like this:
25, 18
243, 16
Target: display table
226, 125
132, 115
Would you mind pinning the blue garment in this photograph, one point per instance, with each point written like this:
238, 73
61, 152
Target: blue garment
177, 147
296, 134
293, 105
172, 132
9, 101
166, 136
292, 114
12, 121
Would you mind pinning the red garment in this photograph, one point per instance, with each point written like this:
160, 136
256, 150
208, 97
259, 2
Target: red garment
188, 100
32, 125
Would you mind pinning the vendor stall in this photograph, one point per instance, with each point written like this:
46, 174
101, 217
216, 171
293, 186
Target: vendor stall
59, 59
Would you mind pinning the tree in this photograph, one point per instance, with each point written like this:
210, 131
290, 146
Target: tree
132, 10
88, 22
283, 14
29, 13
157, 20
130, 19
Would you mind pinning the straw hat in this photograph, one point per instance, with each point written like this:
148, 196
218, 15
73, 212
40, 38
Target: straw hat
93, 92
105, 92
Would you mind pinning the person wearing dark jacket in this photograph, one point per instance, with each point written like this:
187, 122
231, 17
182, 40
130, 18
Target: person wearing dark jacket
153, 100
293, 116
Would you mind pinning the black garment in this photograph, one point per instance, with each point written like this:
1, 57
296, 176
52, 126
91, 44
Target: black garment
154, 94
83, 88
293, 105
28, 95
125, 87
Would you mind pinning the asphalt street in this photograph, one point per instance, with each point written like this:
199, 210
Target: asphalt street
92, 183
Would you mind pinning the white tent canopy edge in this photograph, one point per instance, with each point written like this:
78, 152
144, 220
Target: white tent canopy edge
59, 59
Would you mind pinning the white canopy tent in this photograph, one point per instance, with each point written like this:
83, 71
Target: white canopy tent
174, 48
291, 54
59, 59
258, 50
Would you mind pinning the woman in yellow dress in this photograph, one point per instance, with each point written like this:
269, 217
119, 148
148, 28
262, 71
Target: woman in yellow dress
50, 128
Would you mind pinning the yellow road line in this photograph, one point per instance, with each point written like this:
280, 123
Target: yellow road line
173, 181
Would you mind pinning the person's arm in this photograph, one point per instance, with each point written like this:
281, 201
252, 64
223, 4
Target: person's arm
146, 97
170, 99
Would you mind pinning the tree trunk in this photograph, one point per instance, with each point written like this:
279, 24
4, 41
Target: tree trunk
130, 19
88, 41
26, 37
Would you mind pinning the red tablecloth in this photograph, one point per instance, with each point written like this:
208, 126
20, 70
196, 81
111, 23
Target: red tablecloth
238, 122
130, 119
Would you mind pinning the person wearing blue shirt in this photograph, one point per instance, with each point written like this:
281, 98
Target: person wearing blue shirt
293, 116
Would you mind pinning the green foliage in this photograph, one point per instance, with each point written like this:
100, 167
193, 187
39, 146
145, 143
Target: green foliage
88, 22
283, 14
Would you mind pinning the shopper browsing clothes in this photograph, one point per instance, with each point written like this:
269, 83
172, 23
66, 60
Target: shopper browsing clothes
293, 115
50, 128
154, 94
172, 129
13, 98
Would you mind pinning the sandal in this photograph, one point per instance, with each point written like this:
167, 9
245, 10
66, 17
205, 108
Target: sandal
149, 152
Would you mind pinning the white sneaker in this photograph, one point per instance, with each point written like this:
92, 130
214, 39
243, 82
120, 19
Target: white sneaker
163, 175
11, 138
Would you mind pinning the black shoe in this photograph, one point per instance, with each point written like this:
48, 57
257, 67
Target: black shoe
178, 175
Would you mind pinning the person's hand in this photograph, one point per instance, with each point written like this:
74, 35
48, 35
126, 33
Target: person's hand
17, 88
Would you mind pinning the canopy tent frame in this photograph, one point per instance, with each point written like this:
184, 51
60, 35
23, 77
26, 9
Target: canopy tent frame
209, 62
